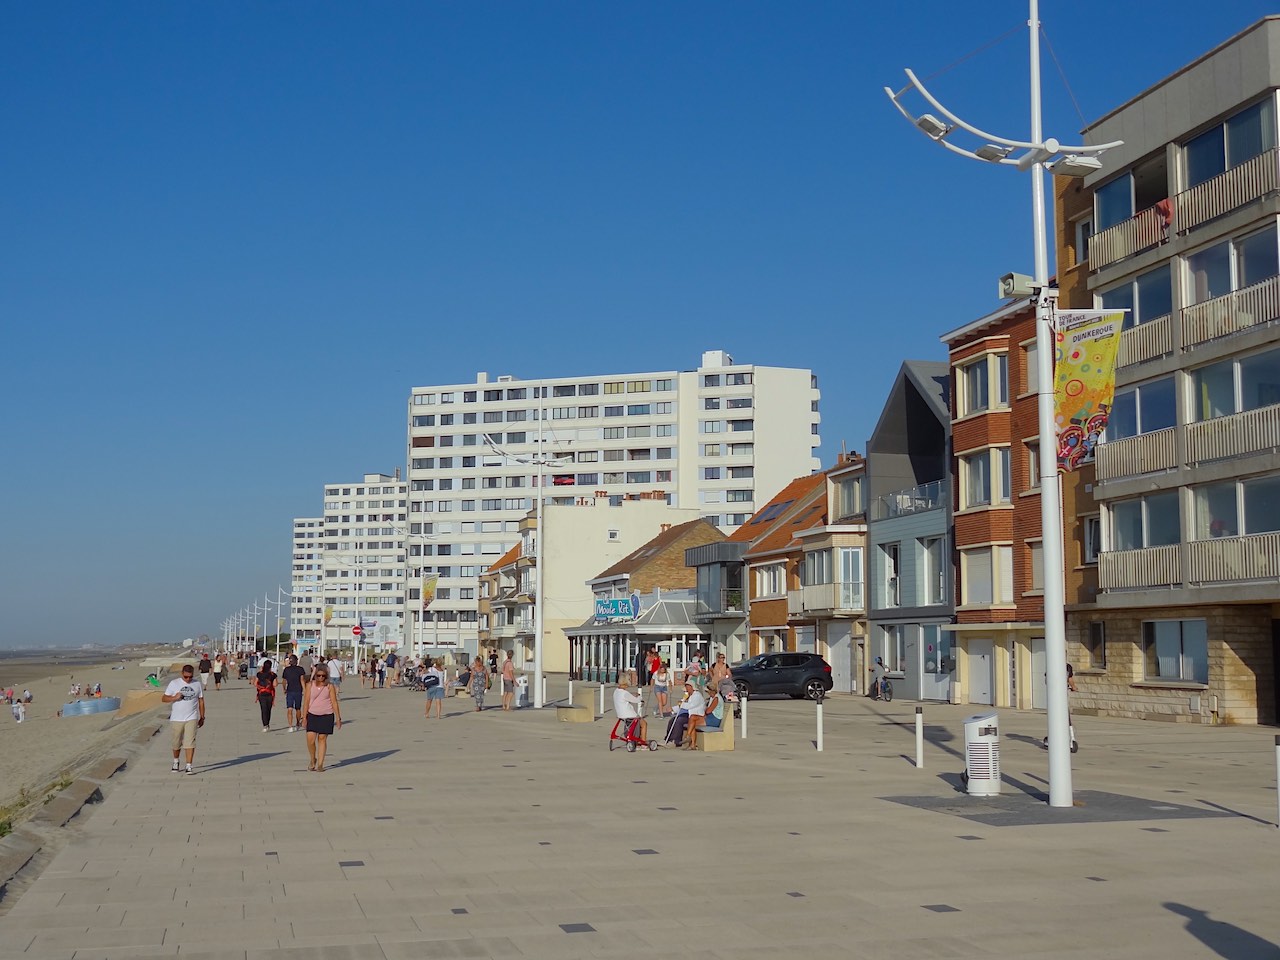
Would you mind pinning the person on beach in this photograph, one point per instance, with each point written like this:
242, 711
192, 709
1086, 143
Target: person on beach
19, 711
479, 683
434, 680
186, 715
508, 681
293, 677
321, 715
264, 692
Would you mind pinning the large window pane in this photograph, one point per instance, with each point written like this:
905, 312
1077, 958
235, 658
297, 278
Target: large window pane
977, 479
1121, 298
1257, 258
1195, 651
977, 575
1126, 525
1115, 202
1163, 525
975, 382
1158, 406
1260, 380
1249, 133
1206, 156
1164, 649
1216, 511
1155, 293
1210, 272
1215, 393
1262, 505
1123, 421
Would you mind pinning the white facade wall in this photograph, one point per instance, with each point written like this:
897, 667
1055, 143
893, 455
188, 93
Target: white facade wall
622, 435
307, 595
364, 559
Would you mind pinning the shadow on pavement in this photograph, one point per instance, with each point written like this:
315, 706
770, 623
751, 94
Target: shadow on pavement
1225, 939
363, 758
247, 758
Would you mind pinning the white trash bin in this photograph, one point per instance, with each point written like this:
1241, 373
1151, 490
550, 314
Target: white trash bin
982, 754
522, 691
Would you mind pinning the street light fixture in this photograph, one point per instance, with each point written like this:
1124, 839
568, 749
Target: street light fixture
1072, 161
541, 461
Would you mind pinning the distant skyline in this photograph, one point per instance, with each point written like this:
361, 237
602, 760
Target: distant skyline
237, 235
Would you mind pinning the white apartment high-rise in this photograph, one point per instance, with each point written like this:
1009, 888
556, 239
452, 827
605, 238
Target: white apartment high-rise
306, 591
723, 439
363, 565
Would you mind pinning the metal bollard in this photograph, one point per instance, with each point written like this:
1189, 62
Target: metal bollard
544, 688
819, 725
742, 699
571, 691
1278, 776
919, 737
602, 699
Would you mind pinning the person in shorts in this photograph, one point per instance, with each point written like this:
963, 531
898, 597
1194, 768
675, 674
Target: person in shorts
186, 714
434, 680
293, 677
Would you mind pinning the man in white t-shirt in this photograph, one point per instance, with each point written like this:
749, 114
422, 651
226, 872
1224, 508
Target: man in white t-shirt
186, 714
628, 705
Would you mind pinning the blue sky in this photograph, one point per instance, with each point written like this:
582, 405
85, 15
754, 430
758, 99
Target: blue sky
235, 235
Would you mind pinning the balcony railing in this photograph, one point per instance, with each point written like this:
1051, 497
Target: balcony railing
1133, 456
1236, 311
1135, 569
505, 631
1253, 431
731, 603
927, 496
1227, 191
1192, 208
1146, 341
1142, 232
832, 597
1230, 559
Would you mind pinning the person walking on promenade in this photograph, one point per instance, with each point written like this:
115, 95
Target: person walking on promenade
335, 671
321, 714
479, 683
720, 674
186, 714
206, 668
508, 681
293, 677
434, 679
264, 692
219, 665
661, 683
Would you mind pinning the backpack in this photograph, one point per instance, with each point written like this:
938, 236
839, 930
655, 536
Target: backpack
265, 688
429, 681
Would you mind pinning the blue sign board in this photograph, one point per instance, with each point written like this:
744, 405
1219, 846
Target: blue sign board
618, 608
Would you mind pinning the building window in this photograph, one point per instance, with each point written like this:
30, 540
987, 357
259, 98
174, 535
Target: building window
739, 496
614, 387
1233, 508
1242, 137
710, 473
975, 475
1150, 521
1095, 645
933, 577
1033, 465
982, 384
741, 473
986, 575
1142, 409
1035, 553
1232, 265
1031, 366
712, 426
711, 449
638, 386
891, 556
1091, 545
1147, 298
741, 426
770, 580
1236, 385
711, 380
1176, 650
849, 497
737, 379
1133, 191
816, 568
894, 648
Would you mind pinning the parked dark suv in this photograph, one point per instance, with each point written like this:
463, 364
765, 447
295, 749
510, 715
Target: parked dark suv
797, 674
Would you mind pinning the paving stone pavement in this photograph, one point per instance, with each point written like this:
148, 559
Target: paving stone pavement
512, 835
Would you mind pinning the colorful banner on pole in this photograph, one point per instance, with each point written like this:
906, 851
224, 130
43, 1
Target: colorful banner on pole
429, 590
1084, 381
328, 615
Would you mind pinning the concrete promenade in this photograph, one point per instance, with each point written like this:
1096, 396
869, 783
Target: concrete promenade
512, 835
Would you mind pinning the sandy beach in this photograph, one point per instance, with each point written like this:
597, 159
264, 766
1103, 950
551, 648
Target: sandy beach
35, 753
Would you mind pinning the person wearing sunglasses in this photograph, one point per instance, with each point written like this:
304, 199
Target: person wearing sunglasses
321, 716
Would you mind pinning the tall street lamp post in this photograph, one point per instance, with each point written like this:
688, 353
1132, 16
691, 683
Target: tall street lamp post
1036, 155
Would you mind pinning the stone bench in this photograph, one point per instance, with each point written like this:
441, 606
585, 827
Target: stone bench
572, 713
717, 739
106, 769
68, 803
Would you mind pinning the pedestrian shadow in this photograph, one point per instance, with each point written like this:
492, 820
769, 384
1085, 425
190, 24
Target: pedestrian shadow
363, 758
1023, 738
237, 761
1225, 939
